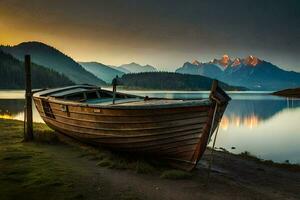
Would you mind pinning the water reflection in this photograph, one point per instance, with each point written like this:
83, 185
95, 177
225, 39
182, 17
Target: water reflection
249, 113
265, 125
248, 121
11, 108
14, 109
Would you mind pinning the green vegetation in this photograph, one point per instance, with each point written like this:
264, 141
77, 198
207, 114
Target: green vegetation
143, 167
27, 170
170, 81
116, 160
12, 75
51, 58
175, 174
49, 168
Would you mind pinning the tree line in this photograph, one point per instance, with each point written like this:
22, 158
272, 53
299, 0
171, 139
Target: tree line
12, 75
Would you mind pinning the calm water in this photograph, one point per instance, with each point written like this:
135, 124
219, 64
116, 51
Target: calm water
265, 125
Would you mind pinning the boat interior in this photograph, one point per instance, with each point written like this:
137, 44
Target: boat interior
97, 96
88, 94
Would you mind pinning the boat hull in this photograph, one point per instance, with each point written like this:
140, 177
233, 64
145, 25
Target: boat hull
178, 134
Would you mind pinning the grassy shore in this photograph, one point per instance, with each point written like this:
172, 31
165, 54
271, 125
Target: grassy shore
32, 168
56, 167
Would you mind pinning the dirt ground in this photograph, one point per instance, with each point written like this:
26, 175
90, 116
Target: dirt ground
60, 171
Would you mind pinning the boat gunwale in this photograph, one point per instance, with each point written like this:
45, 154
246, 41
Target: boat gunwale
203, 108
205, 102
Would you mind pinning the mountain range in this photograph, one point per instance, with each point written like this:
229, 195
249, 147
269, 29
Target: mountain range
250, 72
12, 75
52, 58
135, 68
108, 72
102, 71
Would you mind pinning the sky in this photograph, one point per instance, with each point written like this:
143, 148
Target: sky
162, 33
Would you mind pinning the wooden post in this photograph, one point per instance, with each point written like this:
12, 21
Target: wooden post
28, 135
114, 83
214, 86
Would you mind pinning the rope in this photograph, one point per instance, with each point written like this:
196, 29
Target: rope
214, 142
212, 154
212, 122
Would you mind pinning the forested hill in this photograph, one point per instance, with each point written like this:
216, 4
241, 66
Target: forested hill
171, 81
12, 75
49, 57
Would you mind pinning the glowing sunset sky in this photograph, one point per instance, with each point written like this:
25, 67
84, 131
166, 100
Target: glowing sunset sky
163, 33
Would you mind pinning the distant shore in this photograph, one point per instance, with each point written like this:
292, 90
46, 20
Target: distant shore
58, 167
294, 92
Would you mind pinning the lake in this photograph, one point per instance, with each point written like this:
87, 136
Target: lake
266, 126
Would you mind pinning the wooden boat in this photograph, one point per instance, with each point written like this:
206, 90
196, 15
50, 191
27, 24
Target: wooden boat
173, 129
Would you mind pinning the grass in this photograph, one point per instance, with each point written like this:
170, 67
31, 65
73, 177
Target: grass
143, 167
44, 134
26, 170
122, 161
33, 169
176, 174
104, 158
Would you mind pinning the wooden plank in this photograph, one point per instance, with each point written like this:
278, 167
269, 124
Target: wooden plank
126, 119
122, 131
130, 126
87, 110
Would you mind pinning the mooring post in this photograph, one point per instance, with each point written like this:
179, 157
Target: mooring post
28, 134
114, 83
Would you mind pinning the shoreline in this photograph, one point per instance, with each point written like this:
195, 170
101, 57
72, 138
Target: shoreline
55, 166
290, 93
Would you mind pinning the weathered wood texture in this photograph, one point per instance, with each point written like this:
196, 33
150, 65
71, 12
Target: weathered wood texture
174, 134
175, 130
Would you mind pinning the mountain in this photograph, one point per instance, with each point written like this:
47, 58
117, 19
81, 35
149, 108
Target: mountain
204, 69
170, 81
102, 71
126, 71
136, 68
250, 72
52, 58
12, 75
224, 62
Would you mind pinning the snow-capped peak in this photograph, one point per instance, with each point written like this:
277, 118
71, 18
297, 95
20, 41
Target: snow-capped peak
252, 60
225, 61
196, 62
236, 62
